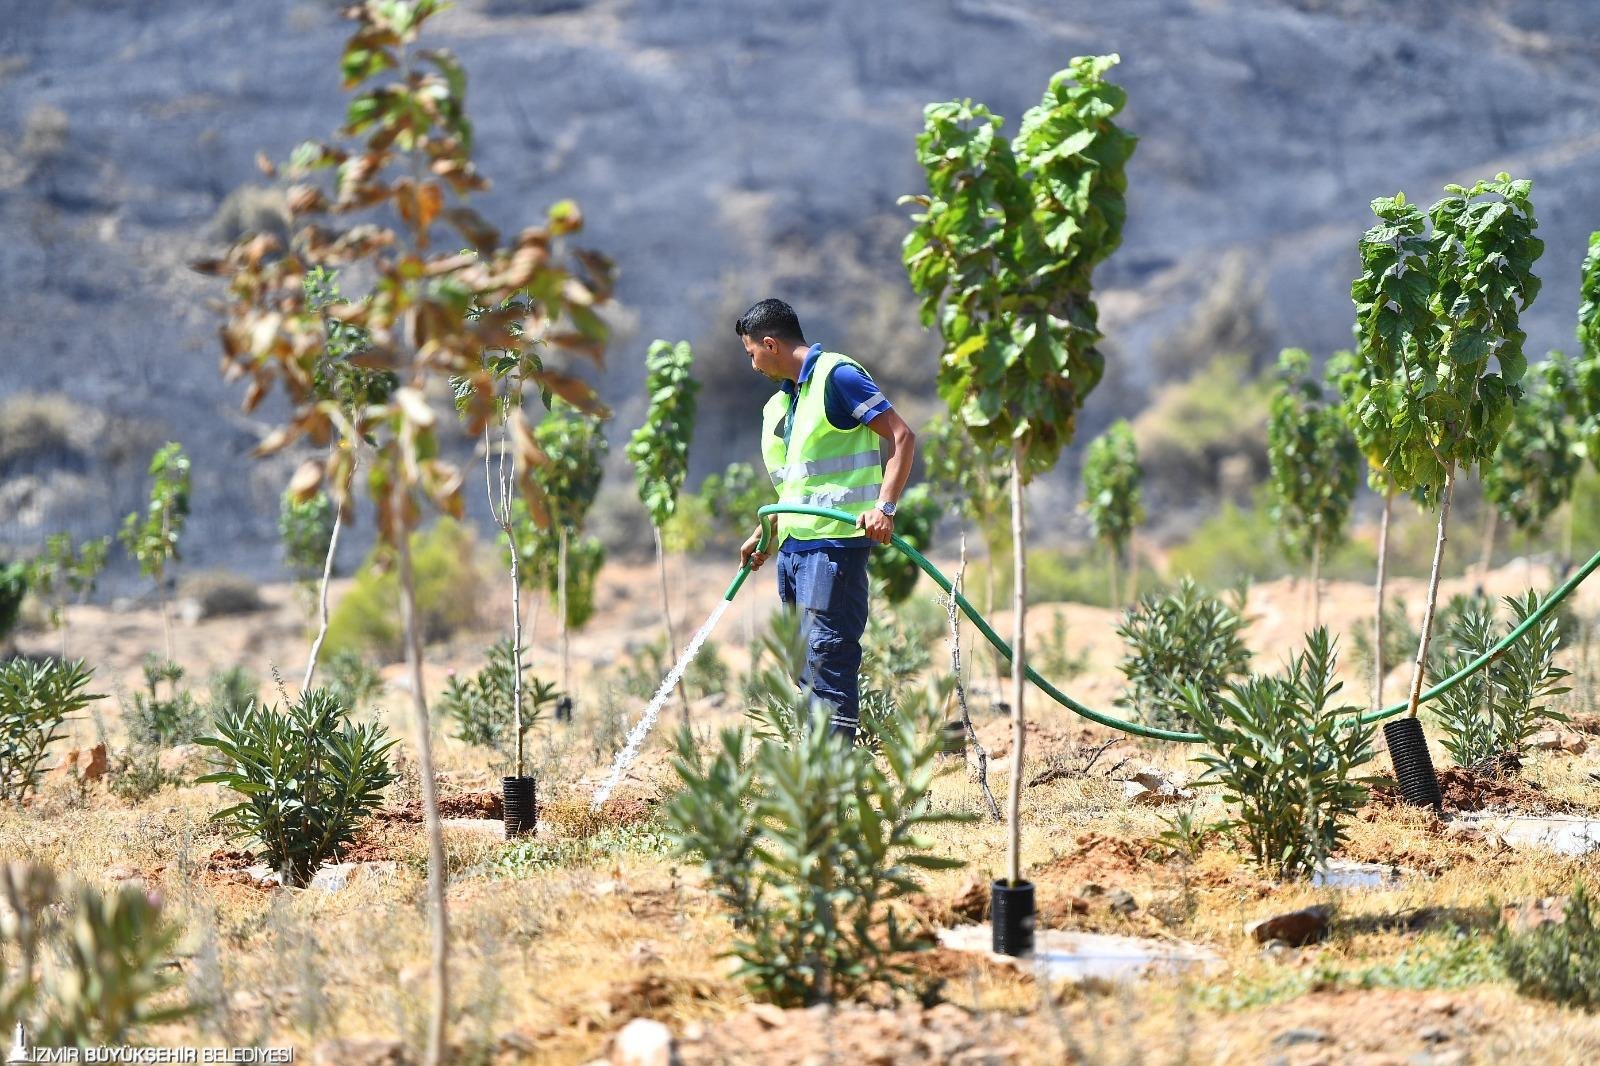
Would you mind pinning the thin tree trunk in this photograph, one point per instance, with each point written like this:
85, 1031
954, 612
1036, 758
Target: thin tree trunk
982, 756
430, 805
1133, 571
1377, 622
516, 640
1316, 584
1115, 562
666, 613
322, 600
561, 607
1415, 696
1018, 668
166, 619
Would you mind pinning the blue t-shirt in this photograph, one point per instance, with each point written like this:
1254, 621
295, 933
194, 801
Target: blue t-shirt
850, 398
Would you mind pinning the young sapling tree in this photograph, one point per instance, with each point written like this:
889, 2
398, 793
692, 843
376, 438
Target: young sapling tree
1112, 497
1003, 253
1533, 473
575, 452
152, 538
659, 451
402, 168
64, 571
1438, 317
1315, 466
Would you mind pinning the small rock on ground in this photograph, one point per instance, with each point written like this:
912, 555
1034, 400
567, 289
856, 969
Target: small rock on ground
643, 1042
1295, 928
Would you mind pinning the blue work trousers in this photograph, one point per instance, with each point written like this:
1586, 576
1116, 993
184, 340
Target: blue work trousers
829, 586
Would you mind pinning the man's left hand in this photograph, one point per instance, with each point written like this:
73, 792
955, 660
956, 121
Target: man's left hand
878, 525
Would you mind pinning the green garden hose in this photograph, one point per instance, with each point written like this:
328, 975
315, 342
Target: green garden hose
1136, 728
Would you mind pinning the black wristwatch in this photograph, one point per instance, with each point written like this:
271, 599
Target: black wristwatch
887, 507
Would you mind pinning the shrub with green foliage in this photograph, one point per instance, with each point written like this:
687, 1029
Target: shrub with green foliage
810, 842
481, 705
1558, 961
1286, 758
1177, 639
160, 720
1497, 710
36, 698
87, 967
449, 589
306, 776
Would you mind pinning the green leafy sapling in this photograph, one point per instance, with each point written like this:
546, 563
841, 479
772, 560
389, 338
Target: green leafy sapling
66, 572
1438, 316
306, 776
1533, 473
1003, 253
152, 538
659, 451
575, 451
1315, 465
1112, 497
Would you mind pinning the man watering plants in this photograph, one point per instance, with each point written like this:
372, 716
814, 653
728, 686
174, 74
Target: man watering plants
819, 440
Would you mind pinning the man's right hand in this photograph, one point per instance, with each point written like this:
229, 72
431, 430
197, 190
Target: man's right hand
748, 553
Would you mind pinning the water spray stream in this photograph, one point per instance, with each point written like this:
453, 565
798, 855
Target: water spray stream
630, 750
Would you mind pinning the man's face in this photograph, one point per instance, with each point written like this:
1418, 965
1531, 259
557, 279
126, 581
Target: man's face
763, 355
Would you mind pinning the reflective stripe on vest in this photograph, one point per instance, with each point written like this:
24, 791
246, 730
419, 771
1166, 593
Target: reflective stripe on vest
823, 466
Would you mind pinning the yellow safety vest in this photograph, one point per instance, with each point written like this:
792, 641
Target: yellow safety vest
822, 466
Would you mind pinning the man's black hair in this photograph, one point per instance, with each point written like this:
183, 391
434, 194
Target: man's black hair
770, 318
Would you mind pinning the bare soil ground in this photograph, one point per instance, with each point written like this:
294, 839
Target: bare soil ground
561, 940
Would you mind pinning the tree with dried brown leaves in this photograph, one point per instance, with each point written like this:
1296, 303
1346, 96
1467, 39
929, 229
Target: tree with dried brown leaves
405, 151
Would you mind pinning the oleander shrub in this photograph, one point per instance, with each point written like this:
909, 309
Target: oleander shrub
36, 700
1286, 758
1497, 710
482, 704
810, 842
1178, 638
306, 776
85, 967
166, 712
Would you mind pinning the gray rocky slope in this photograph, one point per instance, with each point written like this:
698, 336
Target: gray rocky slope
725, 150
